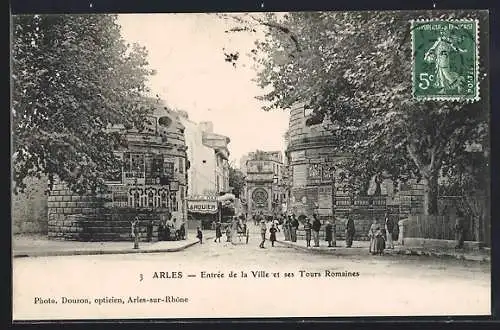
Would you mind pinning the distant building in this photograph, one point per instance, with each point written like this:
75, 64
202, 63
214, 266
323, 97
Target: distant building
243, 164
264, 182
208, 173
219, 143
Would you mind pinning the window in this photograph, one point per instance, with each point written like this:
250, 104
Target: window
308, 111
142, 165
181, 165
168, 168
173, 202
163, 198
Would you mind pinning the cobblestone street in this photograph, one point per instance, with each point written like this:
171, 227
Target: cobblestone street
404, 285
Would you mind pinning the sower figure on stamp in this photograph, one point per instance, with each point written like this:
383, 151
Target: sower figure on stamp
439, 54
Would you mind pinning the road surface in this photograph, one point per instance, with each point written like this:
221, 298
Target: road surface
279, 281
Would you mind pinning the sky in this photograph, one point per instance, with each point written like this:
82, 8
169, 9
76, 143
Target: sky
186, 50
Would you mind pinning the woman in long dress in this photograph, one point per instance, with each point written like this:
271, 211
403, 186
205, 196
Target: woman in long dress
376, 236
235, 225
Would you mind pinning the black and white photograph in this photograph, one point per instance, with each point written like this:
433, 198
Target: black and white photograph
250, 164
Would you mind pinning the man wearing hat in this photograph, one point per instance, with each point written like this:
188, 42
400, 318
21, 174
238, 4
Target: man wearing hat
263, 229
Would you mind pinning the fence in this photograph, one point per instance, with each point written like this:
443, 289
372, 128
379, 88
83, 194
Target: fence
432, 227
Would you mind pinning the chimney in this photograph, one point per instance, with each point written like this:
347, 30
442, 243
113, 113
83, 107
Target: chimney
207, 126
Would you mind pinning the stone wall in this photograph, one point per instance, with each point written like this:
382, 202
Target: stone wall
363, 211
29, 209
84, 218
109, 225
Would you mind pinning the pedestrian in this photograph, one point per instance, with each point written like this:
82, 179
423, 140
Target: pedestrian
307, 229
389, 228
294, 226
395, 232
199, 235
286, 228
161, 230
376, 238
276, 223
135, 232
150, 231
235, 225
316, 227
263, 229
459, 230
218, 231
329, 233
350, 230
272, 235
228, 234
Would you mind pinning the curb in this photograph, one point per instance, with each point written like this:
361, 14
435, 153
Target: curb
416, 252
99, 252
398, 251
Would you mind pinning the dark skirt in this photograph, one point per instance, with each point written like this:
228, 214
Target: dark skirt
272, 237
218, 233
377, 245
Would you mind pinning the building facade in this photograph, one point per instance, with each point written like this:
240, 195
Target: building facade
202, 160
208, 173
219, 143
264, 182
151, 185
311, 159
314, 184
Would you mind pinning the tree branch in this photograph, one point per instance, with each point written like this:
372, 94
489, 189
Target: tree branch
413, 155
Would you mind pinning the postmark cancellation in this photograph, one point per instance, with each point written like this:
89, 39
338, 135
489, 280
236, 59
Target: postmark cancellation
445, 58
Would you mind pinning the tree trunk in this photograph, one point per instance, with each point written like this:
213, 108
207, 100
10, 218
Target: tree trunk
431, 194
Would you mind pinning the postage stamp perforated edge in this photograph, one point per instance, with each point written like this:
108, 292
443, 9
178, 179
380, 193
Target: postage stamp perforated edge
441, 97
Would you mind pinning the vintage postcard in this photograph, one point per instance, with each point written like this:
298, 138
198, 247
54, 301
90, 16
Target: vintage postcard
250, 165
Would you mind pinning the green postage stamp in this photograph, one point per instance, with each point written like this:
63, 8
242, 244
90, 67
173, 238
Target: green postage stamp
445, 59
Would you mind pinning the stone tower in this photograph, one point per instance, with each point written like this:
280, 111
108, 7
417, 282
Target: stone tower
310, 157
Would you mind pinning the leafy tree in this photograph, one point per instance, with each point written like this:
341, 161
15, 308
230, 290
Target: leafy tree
468, 178
353, 69
72, 76
236, 180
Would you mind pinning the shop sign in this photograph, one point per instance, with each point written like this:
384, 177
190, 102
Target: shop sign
202, 206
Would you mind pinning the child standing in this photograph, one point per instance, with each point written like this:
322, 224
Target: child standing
199, 235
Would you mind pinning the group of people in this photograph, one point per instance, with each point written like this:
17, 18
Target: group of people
381, 236
312, 230
169, 230
237, 225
